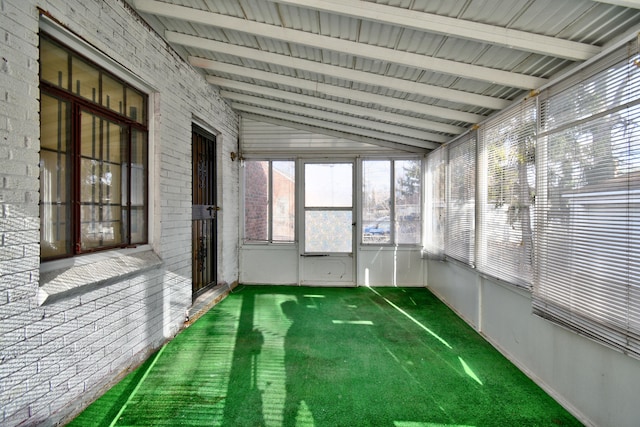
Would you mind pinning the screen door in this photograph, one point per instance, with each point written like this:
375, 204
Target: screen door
327, 226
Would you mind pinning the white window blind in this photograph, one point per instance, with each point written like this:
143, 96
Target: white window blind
435, 198
588, 275
461, 184
506, 223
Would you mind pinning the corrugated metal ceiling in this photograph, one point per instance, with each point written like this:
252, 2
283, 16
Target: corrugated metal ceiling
415, 72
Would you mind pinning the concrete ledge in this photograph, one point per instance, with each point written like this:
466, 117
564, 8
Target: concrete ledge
207, 300
78, 279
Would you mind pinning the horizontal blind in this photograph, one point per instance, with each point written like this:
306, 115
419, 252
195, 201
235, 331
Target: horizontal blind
588, 270
435, 199
461, 184
506, 222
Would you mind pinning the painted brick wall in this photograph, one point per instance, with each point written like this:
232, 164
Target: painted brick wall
56, 357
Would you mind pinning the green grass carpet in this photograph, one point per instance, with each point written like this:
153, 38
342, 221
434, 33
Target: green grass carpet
297, 356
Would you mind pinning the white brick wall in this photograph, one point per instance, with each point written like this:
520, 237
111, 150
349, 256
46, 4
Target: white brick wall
56, 357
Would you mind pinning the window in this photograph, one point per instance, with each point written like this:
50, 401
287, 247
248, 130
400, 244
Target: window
391, 201
507, 186
93, 158
269, 200
588, 248
435, 195
460, 232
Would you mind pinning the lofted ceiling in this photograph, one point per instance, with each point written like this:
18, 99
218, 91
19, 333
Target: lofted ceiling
403, 74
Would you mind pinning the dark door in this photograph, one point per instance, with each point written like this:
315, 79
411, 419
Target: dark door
204, 208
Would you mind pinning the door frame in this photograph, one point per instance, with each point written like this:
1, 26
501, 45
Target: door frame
211, 209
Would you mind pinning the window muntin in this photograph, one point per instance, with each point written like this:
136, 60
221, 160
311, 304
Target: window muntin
269, 201
93, 163
391, 201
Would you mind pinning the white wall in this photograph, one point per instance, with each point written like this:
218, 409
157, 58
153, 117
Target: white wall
599, 385
57, 356
269, 264
389, 266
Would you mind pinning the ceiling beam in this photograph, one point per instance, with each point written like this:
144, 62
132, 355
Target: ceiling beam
330, 132
428, 22
288, 35
347, 129
335, 117
330, 90
634, 4
430, 91
342, 107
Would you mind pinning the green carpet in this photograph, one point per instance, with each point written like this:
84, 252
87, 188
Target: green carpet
296, 356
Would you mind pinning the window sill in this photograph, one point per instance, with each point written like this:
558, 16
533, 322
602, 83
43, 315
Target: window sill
68, 278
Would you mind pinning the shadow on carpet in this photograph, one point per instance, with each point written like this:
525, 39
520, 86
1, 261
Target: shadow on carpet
297, 356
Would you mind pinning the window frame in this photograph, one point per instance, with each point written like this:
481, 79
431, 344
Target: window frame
270, 203
393, 195
79, 106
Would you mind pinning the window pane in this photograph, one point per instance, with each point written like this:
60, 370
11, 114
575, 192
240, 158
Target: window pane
55, 181
136, 106
283, 201
138, 186
112, 94
101, 182
460, 235
256, 200
54, 64
376, 201
328, 231
328, 185
407, 202
508, 196
435, 201
100, 226
54, 206
54, 124
85, 79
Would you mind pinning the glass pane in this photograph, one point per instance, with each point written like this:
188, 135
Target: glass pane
54, 207
136, 106
138, 168
408, 188
138, 225
328, 185
328, 231
54, 64
55, 231
100, 226
54, 123
112, 94
283, 201
138, 186
256, 200
376, 201
101, 143
85, 79
113, 145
